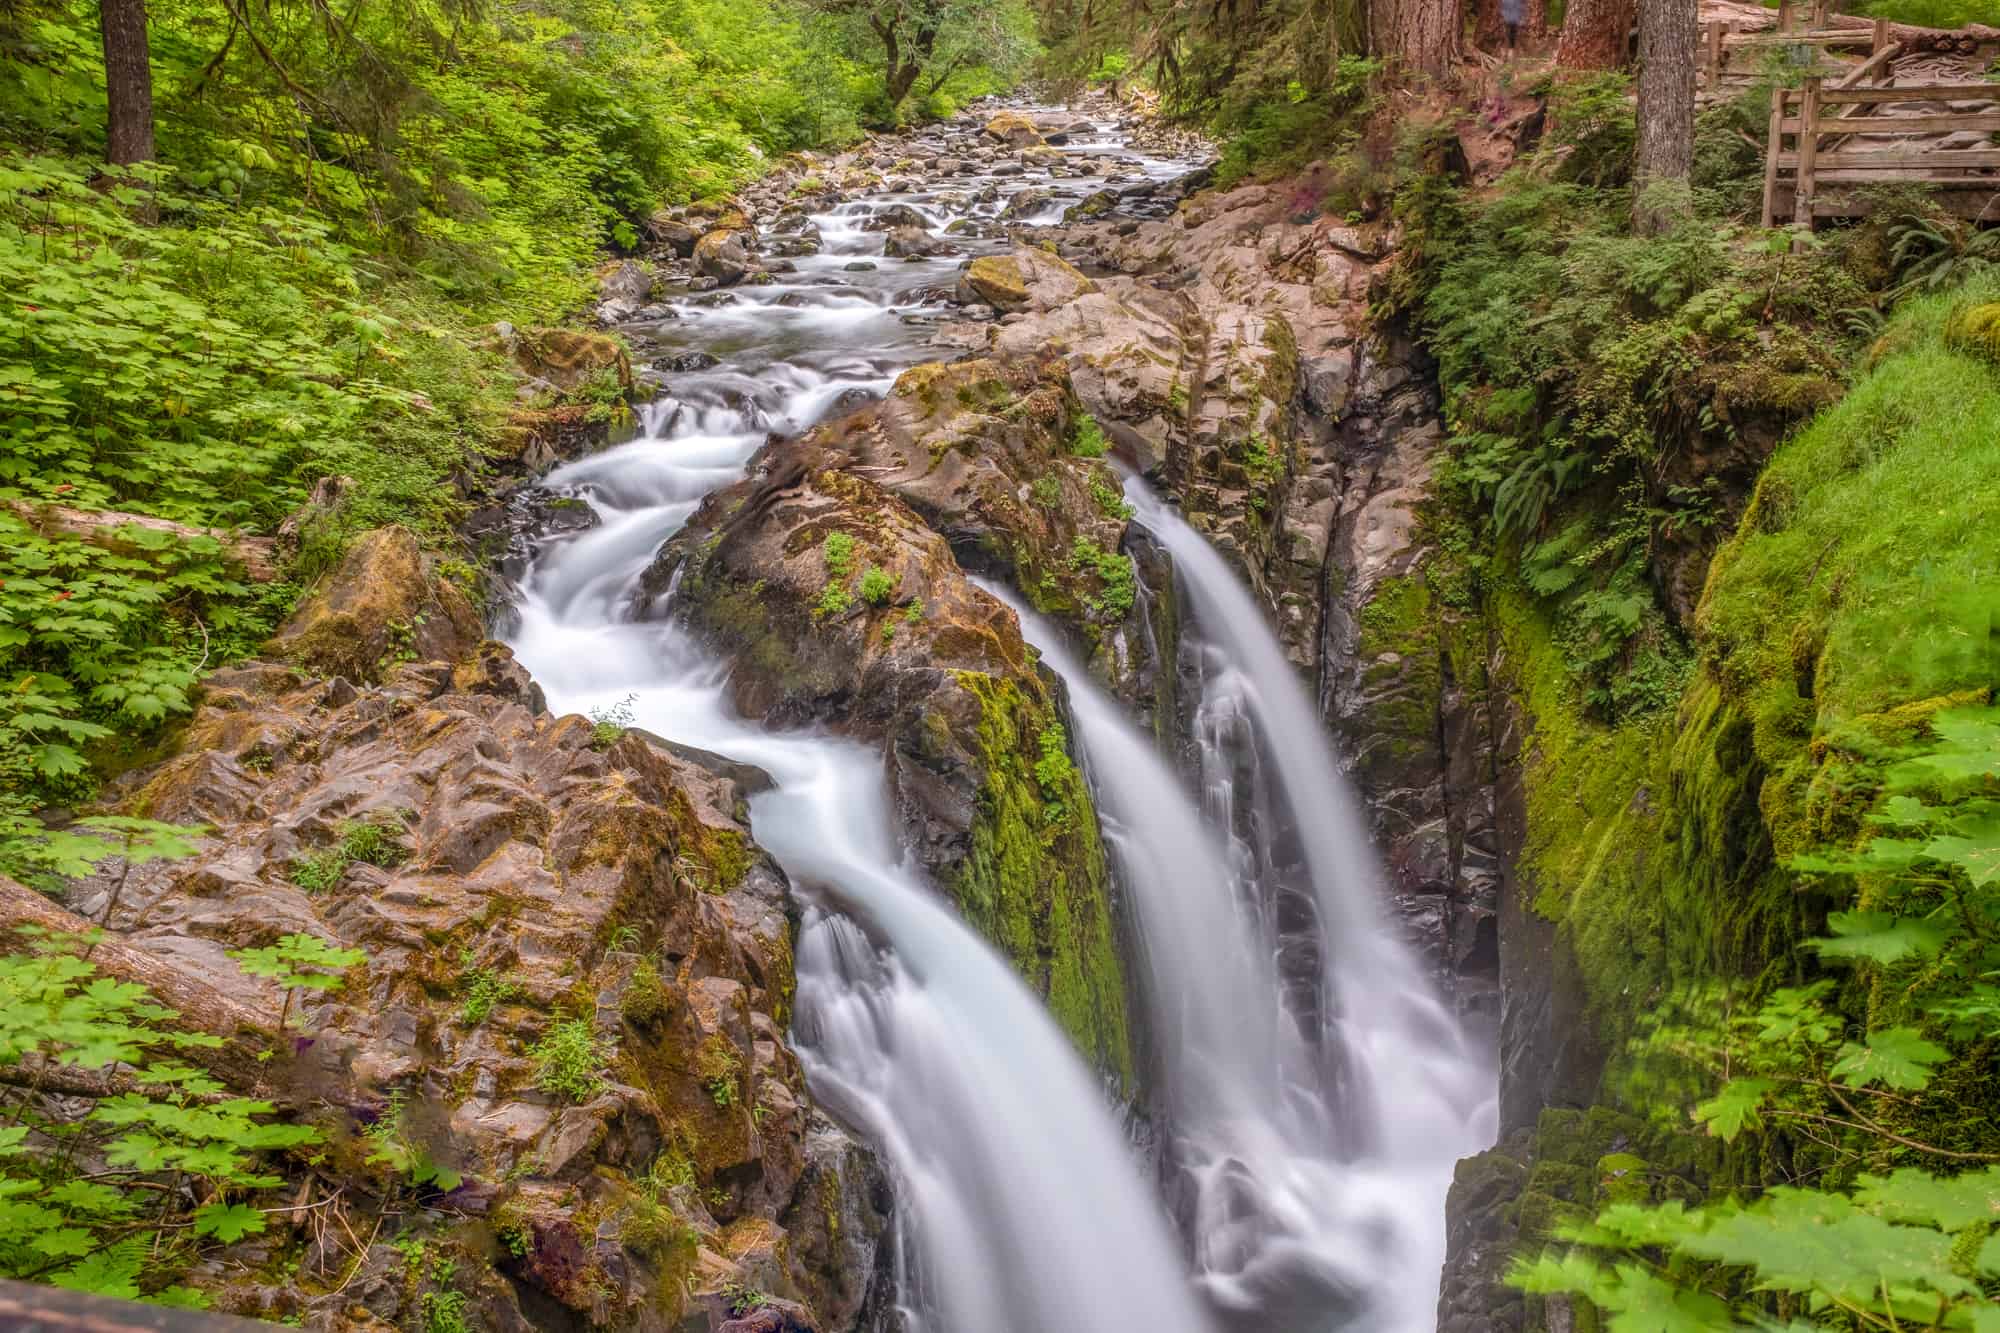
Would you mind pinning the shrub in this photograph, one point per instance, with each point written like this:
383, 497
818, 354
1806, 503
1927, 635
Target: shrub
1087, 439
838, 552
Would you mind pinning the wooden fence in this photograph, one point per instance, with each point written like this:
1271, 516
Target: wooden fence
1822, 174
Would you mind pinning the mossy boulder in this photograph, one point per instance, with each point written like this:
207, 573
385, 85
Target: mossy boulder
1013, 128
384, 605
838, 605
568, 358
994, 279
722, 255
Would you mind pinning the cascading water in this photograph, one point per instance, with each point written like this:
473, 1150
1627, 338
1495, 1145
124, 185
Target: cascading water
1309, 1143
1397, 1095
1022, 1201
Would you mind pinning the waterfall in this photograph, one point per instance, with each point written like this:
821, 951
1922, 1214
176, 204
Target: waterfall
1351, 1184
1310, 1136
1022, 1200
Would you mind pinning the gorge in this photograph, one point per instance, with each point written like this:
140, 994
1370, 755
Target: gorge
1226, 676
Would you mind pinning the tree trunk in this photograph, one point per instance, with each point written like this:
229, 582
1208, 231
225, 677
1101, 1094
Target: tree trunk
1421, 36
128, 81
1669, 34
1595, 34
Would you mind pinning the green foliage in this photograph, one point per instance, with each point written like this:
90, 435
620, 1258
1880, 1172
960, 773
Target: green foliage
610, 722
877, 586
302, 287
1579, 362
1882, 1247
1117, 577
568, 1060
834, 600
1110, 500
1054, 773
1046, 492
299, 962
484, 990
373, 841
741, 1299
1086, 439
838, 552
91, 1193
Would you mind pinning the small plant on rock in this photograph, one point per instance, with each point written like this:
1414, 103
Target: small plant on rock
877, 586
484, 991
1087, 439
834, 600
610, 722
568, 1060
838, 551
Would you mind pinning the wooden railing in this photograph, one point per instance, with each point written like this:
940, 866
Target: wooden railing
1820, 111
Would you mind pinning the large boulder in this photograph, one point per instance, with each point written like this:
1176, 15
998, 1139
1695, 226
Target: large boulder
1012, 128
893, 216
386, 604
566, 359
916, 243
722, 255
521, 871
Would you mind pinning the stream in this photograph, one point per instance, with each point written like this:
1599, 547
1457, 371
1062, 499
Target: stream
1306, 1144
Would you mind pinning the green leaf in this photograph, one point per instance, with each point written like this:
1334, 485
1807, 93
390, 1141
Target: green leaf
228, 1223
1880, 937
112, 1271
1735, 1108
1952, 1203
1898, 1058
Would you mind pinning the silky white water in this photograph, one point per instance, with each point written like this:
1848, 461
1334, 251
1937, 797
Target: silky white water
1402, 1091
1023, 1202
1306, 1146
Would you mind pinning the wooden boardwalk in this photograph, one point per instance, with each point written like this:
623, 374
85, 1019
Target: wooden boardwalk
1877, 105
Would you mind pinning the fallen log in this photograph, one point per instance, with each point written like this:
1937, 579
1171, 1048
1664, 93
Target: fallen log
257, 556
198, 1006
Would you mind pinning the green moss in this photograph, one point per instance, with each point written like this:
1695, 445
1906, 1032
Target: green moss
1035, 882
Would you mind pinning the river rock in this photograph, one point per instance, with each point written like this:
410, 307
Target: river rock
1013, 128
1027, 202
893, 216
935, 672
915, 243
385, 604
723, 256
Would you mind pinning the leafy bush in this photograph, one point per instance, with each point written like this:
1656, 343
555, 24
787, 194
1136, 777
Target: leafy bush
1117, 579
299, 962
838, 552
1087, 439
101, 1190
1912, 1243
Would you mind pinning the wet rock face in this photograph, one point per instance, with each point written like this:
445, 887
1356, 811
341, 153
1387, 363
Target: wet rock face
516, 881
838, 605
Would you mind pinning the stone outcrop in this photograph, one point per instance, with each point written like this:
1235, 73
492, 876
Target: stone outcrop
386, 604
511, 876
839, 605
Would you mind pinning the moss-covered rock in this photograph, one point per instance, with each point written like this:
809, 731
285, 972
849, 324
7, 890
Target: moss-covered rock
383, 606
838, 604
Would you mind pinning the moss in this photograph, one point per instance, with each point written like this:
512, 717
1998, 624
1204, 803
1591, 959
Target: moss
1035, 882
